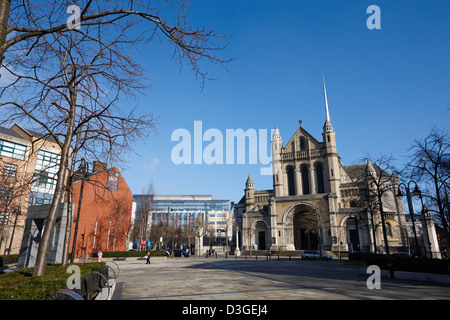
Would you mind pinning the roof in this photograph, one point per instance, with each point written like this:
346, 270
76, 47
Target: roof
39, 135
11, 133
356, 171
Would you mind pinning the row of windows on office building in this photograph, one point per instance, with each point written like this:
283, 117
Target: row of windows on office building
190, 219
45, 171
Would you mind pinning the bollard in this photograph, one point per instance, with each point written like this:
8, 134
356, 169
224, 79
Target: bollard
289, 257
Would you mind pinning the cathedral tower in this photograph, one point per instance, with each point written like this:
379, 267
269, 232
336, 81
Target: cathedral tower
249, 193
329, 143
277, 146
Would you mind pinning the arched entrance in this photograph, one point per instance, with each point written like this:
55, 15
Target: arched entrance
304, 227
261, 235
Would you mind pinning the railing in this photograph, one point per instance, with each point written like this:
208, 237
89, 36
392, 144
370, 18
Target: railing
297, 155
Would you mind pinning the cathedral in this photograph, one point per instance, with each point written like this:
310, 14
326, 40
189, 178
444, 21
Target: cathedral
317, 202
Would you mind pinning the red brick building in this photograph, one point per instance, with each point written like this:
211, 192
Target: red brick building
105, 214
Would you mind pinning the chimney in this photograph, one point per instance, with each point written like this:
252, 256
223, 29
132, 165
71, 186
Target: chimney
98, 166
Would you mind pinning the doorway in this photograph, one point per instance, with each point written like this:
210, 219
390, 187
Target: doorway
262, 240
306, 230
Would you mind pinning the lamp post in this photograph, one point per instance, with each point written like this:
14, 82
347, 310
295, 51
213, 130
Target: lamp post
84, 170
422, 215
416, 191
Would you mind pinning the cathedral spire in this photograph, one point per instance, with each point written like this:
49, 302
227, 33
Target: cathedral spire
326, 100
327, 127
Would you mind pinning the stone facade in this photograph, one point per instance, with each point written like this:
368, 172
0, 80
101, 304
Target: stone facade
319, 203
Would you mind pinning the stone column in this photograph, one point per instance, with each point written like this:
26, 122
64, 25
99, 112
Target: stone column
312, 180
237, 251
298, 181
273, 245
432, 238
290, 236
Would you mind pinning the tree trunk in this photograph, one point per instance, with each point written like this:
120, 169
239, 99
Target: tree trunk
44, 245
383, 225
5, 6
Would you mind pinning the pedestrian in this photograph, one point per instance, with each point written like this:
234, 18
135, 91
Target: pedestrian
147, 256
99, 256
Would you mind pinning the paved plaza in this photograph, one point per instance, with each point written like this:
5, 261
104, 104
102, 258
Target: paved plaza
251, 279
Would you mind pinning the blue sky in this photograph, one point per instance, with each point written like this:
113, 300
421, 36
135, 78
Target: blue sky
385, 87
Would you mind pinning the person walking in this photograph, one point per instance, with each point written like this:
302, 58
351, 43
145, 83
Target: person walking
148, 257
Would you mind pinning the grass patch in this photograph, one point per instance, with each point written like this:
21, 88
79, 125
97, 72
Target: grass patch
22, 285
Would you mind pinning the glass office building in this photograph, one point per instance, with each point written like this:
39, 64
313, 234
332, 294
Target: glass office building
184, 211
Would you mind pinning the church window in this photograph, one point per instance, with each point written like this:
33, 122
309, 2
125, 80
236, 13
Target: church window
290, 181
388, 229
305, 180
319, 178
302, 144
328, 138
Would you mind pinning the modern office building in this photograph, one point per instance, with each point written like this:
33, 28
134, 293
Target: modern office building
190, 213
29, 162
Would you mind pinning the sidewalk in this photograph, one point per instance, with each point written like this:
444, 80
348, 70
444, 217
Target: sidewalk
239, 279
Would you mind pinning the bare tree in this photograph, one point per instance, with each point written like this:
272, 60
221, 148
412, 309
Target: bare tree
429, 165
380, 186
120, 207
71, 81
26, 21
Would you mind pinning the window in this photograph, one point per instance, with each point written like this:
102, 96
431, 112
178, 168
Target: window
353, 204
6, 194
45, 176
305, 180
302, 144
290, 181
37, 198
319, 177
10, 170
12, 150
48, 161
388, 229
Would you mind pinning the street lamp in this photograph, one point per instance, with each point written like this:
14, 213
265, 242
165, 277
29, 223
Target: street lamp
83, 171
416, 191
